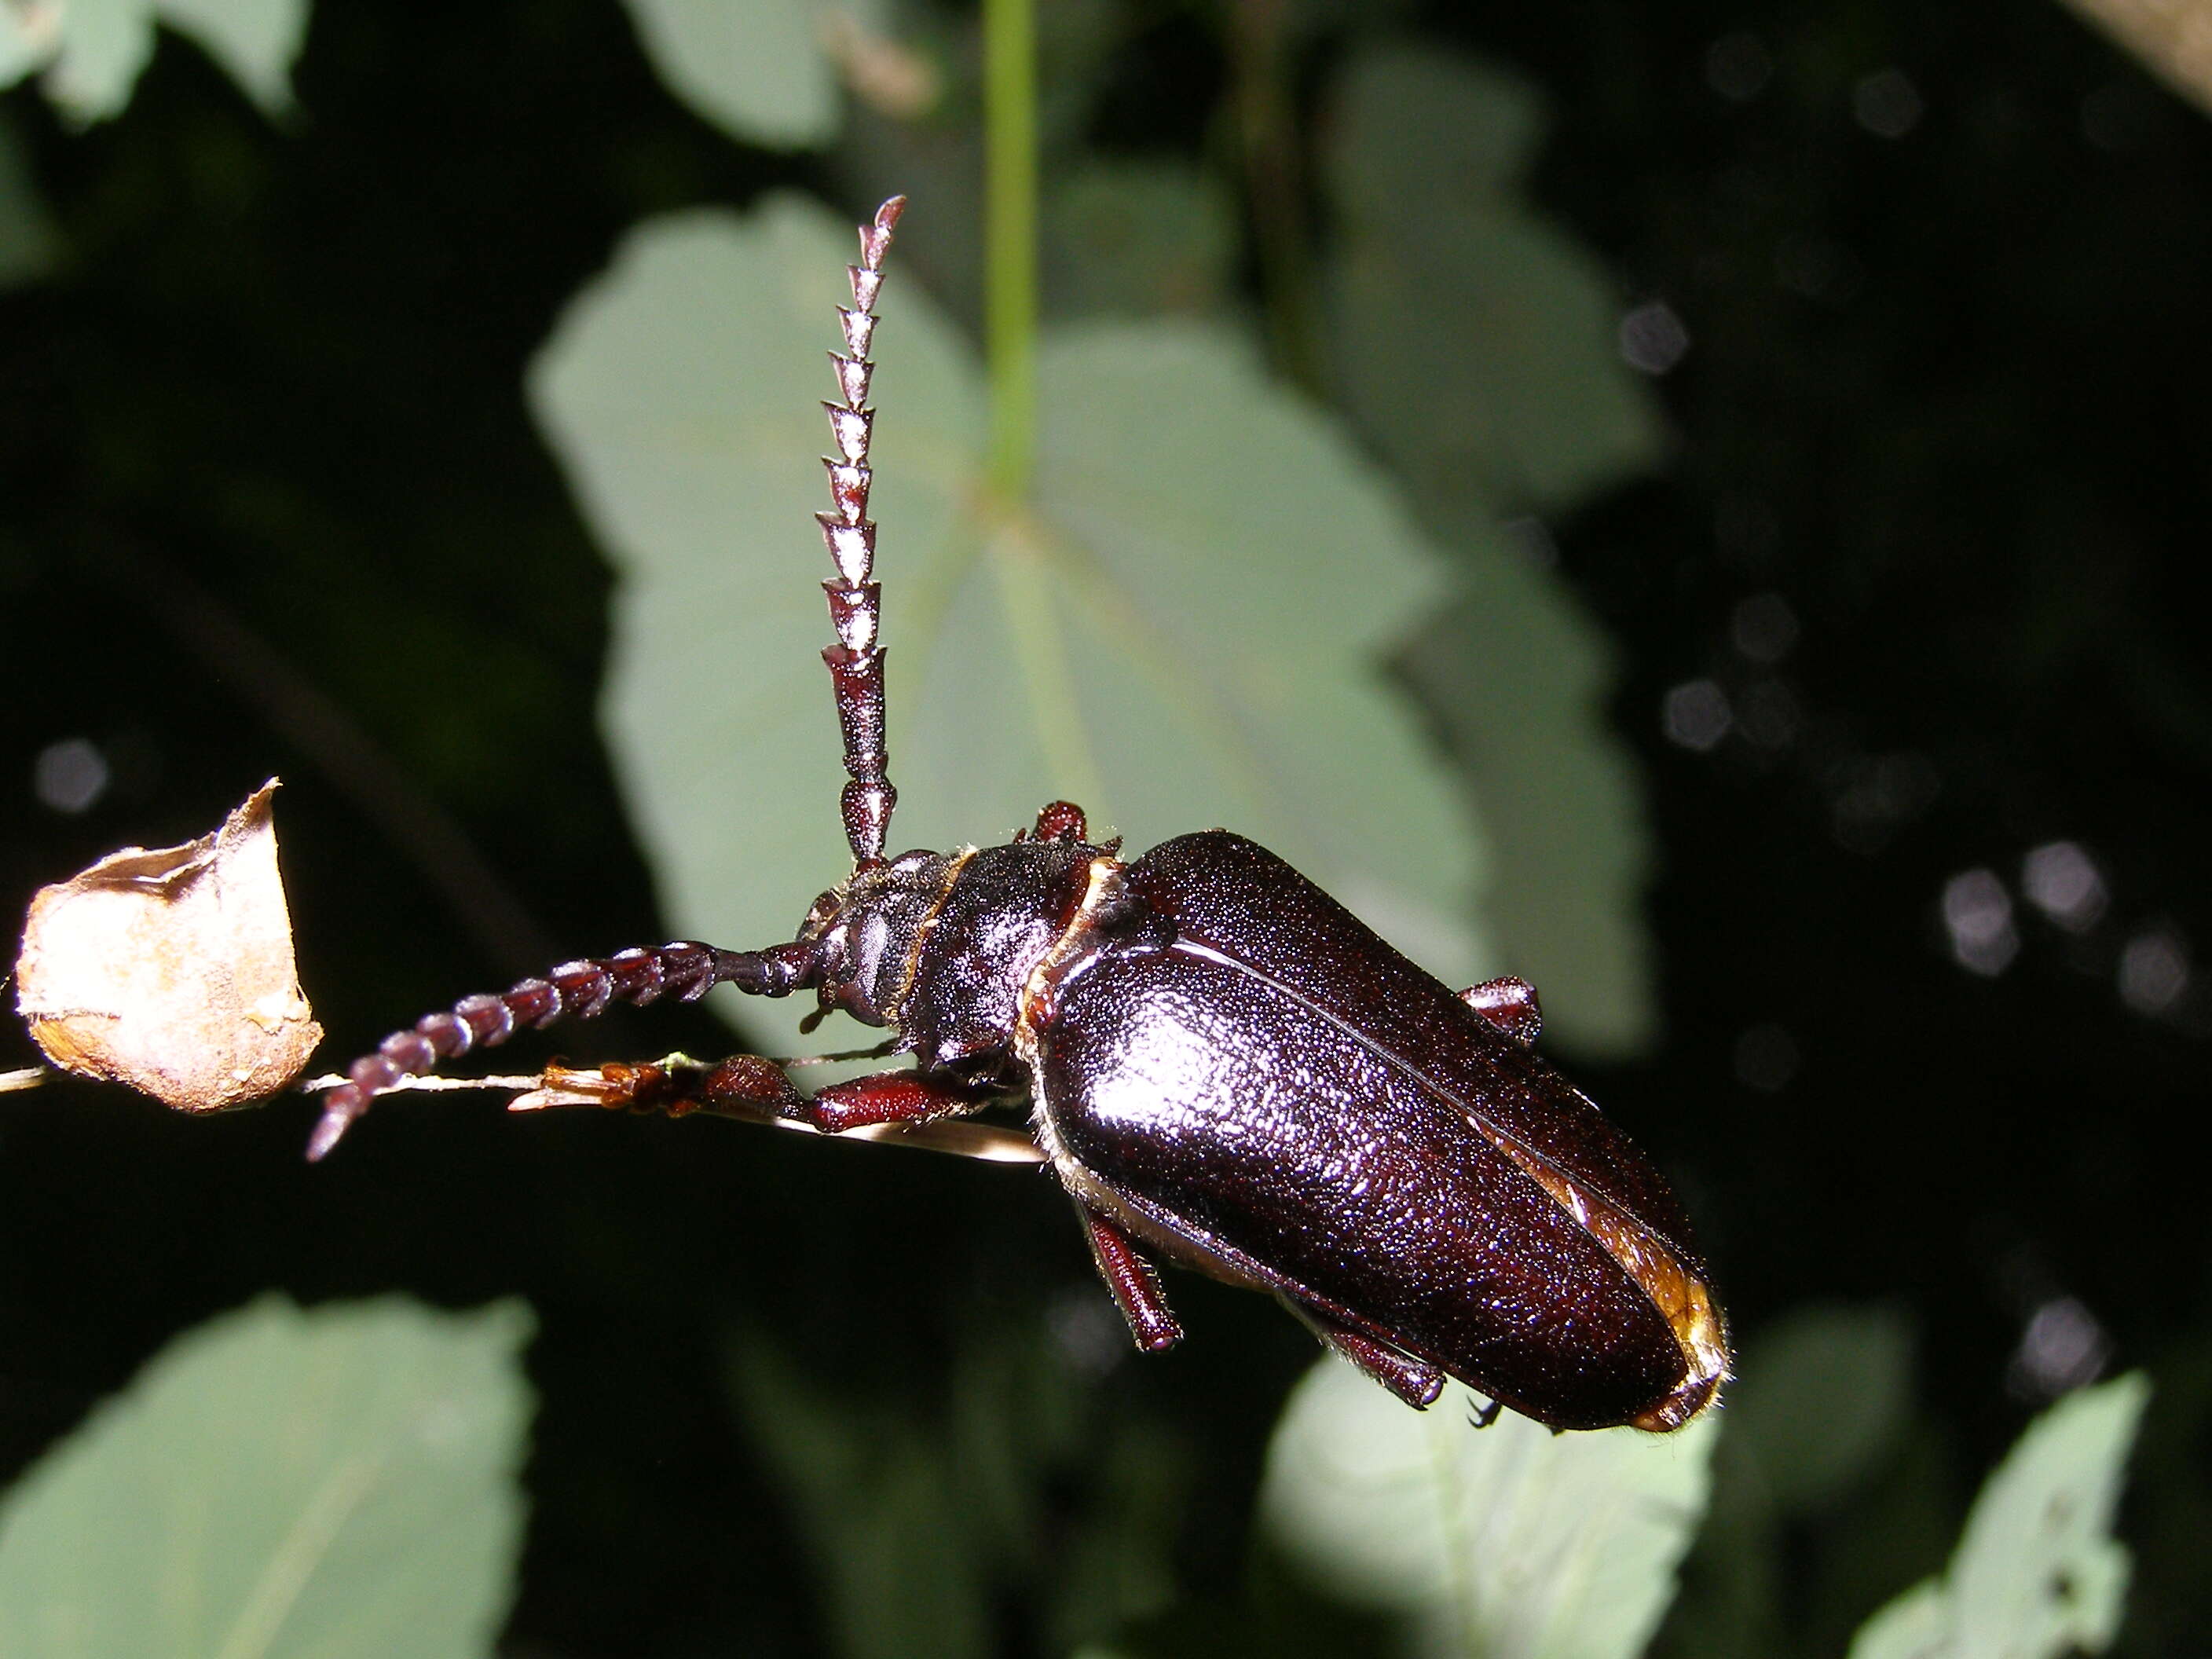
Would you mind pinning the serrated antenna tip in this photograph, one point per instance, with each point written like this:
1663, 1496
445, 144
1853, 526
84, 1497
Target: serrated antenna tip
876, 240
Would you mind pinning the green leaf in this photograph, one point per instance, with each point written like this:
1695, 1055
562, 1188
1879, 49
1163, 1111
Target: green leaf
930, 1527
1183, 631
1517, 678
1477, 343
325, 1483
2037, 1573
26, 42
900, 1579
257, 41
92, 51
96, 54
1508, 1542
1139, 239
755, 68
1474, 346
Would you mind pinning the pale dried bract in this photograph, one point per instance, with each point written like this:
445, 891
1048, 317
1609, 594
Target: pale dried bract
171, 969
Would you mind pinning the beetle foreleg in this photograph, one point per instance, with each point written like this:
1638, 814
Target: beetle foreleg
1135, 1285
1414, 1381
900, 1097
1509, 1004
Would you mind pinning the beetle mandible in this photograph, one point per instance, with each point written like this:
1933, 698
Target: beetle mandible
1223, 1066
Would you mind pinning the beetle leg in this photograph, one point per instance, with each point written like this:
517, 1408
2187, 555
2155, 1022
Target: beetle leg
1059, 820
1509, 1004
1414, 1381
1135, 1285
900, 1097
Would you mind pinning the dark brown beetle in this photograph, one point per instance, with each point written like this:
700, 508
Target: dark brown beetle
1222, 1065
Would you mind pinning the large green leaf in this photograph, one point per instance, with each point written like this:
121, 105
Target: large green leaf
755, 68
1184, 630
321, 1485
1508, 1542
92, 51
1474, 347
2037, 1573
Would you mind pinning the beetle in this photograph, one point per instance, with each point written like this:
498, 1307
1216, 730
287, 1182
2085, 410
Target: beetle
1223, 1067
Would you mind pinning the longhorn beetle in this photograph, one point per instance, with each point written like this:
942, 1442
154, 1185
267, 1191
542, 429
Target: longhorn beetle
1221, 1066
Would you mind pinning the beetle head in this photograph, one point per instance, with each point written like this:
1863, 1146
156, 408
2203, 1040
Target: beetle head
864, 935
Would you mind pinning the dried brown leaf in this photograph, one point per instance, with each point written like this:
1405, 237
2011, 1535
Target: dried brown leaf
171, 969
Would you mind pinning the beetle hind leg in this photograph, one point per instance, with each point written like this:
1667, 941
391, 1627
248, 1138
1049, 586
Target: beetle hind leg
1133, 1281
1510, 1005
1414, 1381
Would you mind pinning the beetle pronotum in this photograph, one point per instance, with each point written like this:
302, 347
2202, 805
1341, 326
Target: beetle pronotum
1221, 1065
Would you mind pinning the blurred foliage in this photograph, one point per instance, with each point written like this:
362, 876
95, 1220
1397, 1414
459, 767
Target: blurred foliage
335, 1483
1509, 399
1737, 656
1510, 1542
755, 68
2037, 1573
89, 53
1515, 1543
923, 1522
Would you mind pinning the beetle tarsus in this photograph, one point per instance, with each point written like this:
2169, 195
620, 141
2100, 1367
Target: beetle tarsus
1416, 1381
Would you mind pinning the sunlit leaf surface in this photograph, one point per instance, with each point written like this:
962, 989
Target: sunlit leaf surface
337, 1484
1508, 1542
2037, 1572
1184, 629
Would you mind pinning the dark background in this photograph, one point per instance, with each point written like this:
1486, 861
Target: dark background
267, 491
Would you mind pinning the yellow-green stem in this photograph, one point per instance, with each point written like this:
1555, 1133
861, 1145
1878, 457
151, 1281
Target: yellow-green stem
1010, 241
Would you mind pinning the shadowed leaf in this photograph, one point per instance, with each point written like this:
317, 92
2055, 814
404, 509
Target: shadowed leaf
1474, 346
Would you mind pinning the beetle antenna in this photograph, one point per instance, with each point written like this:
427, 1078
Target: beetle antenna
574, 990
856, 661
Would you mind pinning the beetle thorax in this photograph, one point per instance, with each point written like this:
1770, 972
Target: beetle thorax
940, 946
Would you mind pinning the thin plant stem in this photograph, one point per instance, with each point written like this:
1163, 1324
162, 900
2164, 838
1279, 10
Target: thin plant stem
1010, 241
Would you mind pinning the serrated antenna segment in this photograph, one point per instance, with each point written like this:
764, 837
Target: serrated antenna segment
856, 661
